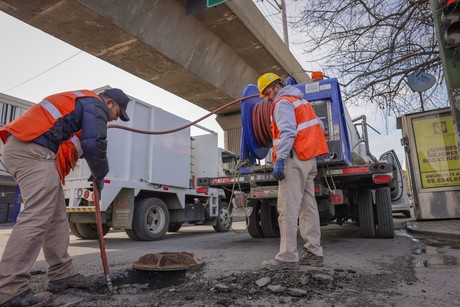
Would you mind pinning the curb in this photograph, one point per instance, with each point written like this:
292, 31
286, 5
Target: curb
433, 233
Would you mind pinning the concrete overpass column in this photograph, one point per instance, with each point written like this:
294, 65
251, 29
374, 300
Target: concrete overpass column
231, 124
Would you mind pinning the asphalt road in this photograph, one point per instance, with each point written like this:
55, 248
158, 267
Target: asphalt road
404, 271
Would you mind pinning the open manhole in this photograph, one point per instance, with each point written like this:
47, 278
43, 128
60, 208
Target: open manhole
168, 261
155, 271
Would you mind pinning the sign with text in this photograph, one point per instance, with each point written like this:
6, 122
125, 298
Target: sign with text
211, 3
437, 151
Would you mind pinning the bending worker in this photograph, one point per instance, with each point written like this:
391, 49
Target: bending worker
297, 139
41, 147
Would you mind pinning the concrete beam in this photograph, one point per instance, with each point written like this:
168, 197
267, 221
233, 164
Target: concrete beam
206, 58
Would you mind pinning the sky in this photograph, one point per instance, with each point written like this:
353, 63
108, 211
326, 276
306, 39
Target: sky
34, 65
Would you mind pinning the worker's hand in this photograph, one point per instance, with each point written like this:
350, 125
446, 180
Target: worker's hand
100, 183
278, 170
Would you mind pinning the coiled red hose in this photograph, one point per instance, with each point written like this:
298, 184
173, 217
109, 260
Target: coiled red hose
261, 122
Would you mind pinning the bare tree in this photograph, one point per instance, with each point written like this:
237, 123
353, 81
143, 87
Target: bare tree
371, 46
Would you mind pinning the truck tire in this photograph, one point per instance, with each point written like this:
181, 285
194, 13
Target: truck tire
385, 227
73, 229
224, 220
269, 220
89, 231
174, 227
132, 235
366, 214
151, 219
254, 228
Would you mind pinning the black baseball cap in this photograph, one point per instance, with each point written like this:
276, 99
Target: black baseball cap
121, 99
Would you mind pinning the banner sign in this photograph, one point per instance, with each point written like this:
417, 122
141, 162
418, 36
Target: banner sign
437, 151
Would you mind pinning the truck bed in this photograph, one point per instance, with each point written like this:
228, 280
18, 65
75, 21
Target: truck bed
361, 176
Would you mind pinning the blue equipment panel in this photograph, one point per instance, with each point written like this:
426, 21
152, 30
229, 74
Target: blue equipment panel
326, 93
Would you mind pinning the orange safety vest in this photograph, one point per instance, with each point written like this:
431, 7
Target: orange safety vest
41, 117
310, 141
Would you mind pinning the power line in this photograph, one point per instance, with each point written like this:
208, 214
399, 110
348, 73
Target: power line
43, 72
155, 4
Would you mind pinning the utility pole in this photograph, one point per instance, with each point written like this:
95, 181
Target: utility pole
446, 19
284, 20
282, 8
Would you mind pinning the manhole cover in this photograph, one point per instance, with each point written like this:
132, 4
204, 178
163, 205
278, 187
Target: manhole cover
168, 261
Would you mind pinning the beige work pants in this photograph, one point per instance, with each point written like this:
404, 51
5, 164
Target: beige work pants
296, 202
41, 224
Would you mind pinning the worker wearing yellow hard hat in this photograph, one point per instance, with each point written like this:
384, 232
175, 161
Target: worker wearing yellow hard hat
298, 138
265, 80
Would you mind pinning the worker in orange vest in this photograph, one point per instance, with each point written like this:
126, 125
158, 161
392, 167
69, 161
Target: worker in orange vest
298, 138
41, 147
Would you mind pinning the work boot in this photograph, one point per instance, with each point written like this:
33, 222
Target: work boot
28, 298
91, 282
275, 264
309, 258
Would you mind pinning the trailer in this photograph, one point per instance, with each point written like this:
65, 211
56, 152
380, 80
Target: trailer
151, 186
351, 185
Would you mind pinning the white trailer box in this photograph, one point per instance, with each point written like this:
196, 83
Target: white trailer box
163, 159
157, 169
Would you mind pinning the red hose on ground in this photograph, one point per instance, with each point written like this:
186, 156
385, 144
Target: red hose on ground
101, 239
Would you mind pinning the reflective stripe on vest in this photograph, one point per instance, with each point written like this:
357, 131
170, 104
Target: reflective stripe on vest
296, 104
308, 124
52, 110
299, 102
76, 142
304, 125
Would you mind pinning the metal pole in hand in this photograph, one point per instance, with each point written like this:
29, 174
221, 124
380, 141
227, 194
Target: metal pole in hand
101, 238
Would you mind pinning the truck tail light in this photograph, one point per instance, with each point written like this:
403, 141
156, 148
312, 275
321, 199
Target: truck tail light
336, 197
107, 181
317, 190
203, 190
384, 178
86, 194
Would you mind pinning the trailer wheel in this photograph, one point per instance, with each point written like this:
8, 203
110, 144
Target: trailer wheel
224, 220
269, 220
366, 214
151, 219
174, 227
73, 229
89, 231
254, 228
385, 227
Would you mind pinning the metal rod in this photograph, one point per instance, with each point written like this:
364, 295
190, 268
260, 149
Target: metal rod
101, 238
365, 136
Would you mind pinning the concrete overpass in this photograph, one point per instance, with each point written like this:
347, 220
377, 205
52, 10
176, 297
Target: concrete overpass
206, 57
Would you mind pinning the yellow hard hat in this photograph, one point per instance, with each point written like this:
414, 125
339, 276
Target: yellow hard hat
265, 80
